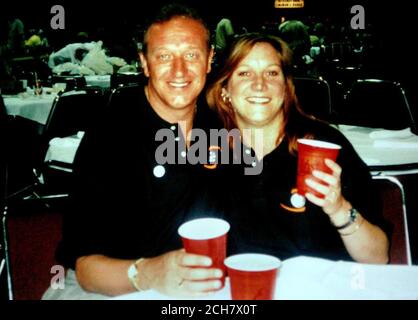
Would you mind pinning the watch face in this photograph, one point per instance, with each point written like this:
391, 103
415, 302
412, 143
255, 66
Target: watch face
132, 271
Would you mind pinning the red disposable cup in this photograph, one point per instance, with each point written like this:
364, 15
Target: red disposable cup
252, 276
311, 156
206, 237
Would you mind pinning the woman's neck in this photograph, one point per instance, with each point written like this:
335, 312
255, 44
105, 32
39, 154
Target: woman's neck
263, 140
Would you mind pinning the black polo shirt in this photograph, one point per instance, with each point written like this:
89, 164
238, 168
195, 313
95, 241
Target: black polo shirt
264, 220
125, 204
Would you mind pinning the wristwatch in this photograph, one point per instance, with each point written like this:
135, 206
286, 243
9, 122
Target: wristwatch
133, 275
353, 213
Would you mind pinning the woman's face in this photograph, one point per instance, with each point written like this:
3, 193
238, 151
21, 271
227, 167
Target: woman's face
257, 88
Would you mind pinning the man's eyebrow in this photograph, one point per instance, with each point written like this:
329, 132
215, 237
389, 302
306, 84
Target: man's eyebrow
168, 48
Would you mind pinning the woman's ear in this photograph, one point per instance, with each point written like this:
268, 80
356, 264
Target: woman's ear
225, 95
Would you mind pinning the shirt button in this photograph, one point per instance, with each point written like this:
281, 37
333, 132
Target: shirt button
177, 138
183, 154
253, 163
173, 128
247, 151
159, 171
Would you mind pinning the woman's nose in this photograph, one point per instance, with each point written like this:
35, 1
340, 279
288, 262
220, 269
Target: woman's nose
258, 83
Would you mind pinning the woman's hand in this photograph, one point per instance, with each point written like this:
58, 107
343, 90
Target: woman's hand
181, 274
330, 187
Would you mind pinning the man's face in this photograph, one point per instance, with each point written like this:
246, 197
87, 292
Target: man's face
176, 63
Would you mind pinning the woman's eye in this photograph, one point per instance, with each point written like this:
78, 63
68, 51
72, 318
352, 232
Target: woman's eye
272, 73
243, 73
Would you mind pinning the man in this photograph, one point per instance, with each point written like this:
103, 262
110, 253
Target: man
121, 234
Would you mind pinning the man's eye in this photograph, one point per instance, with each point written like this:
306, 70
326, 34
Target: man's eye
191, 55
164, 56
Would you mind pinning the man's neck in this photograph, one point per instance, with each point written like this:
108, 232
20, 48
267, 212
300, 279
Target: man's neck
184, 117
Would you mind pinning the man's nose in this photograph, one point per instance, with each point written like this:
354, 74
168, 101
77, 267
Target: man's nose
179, 67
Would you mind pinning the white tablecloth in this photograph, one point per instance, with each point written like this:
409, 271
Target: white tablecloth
29, 106
309, 278
383, 147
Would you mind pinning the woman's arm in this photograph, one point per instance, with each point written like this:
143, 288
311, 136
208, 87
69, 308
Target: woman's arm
364, 241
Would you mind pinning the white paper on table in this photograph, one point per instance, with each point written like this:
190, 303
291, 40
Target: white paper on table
390, 134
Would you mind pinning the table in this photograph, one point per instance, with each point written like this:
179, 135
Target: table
384, 149
29, 106
309, 278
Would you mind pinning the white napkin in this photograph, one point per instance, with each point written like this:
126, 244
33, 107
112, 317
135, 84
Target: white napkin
410, 143
63, 149
391, 134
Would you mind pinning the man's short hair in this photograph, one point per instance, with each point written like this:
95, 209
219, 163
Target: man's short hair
170, 11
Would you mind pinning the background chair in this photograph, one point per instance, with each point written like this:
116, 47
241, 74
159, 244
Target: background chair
377, 104
126, 79
394, 211
314, 95
72, 112
73, 82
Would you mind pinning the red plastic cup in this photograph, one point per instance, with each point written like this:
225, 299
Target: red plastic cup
206, 237
311, 156
253, 276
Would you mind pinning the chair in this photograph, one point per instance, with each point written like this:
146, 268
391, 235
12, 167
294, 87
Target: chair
5, 273
122, 79
394, 211
314, 95
72, 112
376, 104
73, 82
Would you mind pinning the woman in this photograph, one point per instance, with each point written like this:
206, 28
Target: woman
254, 90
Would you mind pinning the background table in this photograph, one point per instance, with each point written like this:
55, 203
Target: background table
29, 106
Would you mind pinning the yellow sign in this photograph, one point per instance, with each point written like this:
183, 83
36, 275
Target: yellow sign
289, 3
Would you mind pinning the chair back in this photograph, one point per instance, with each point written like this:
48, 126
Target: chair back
377, 104
72, 82
314, 95
73, 111
394, 211
126, 79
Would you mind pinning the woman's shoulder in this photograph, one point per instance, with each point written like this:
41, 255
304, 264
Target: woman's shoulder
321, 130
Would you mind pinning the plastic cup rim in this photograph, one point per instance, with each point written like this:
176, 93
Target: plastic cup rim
224, 230
319, 144
276, 262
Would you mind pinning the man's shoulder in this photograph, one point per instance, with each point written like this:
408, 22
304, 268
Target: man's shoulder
206, 118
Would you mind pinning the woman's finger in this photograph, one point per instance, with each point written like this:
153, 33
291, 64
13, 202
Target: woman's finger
329, 179
336, 169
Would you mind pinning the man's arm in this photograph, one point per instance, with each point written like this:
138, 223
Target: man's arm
175, 273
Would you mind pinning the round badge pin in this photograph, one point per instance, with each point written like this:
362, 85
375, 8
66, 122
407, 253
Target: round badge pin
297, 200
159, 171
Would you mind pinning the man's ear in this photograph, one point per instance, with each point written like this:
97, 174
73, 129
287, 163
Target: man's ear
144, 63
210, 59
